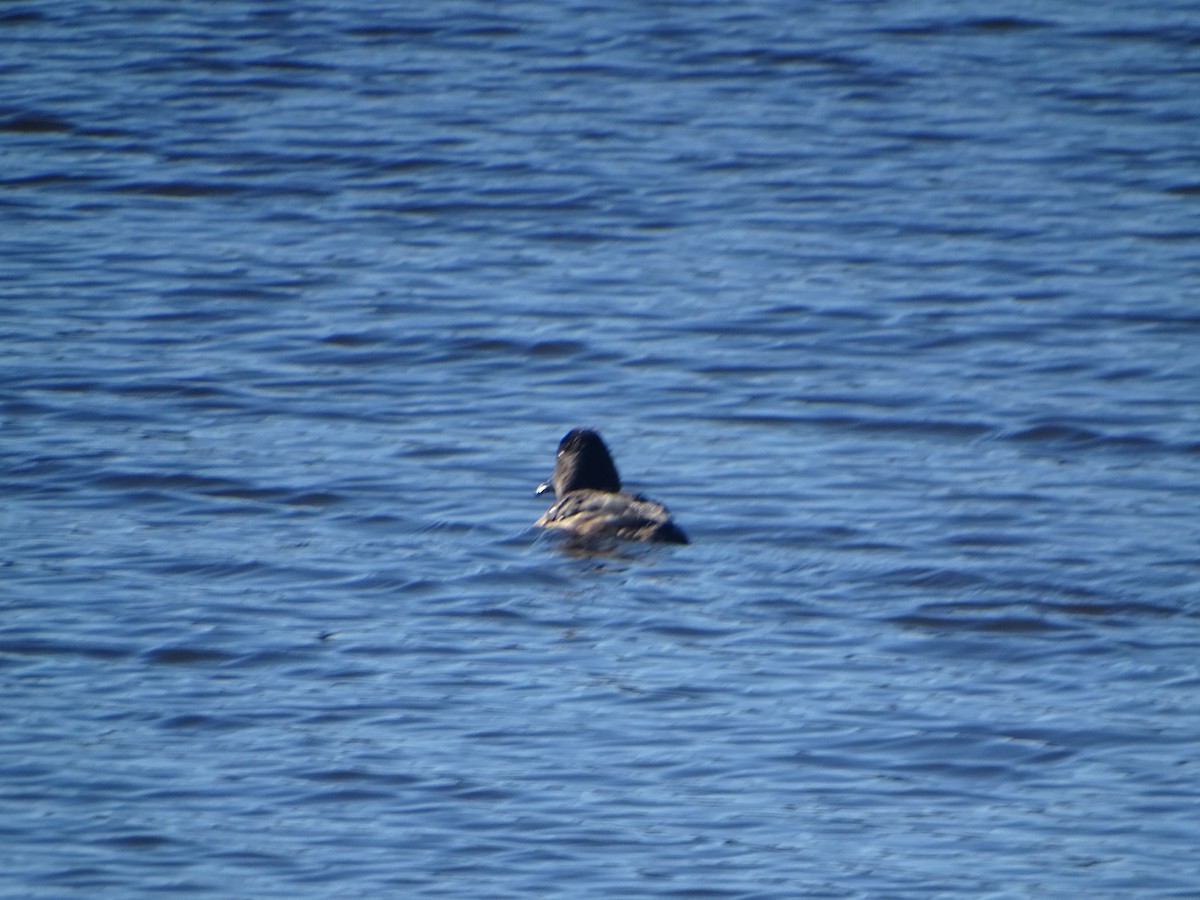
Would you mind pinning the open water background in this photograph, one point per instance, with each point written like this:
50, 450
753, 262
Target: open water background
896, 304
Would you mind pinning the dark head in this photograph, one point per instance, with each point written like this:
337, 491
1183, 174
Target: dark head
583, 461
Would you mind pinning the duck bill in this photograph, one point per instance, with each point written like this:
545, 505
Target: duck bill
543, 487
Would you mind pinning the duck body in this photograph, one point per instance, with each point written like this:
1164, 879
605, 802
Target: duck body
600, 514
590, 504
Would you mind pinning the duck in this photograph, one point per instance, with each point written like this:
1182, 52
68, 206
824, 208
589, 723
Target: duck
589, 503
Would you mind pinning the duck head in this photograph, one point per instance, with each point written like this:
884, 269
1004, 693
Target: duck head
583, 462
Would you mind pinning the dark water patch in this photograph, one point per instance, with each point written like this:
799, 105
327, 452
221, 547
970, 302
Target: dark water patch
1005, 23
942, 137
437, 450
182, 189
1038, 296
1176, 236
202, 723
289, 64
140, 841
1004, 624
35, 123
399, 779
472, 346
66, 386
26, 771
53, 474
1131, 373
49, 179
1112, 611
999, 25
987, 616
314, 499
688, 632
1067, 436
203, 190
396, 31
361, 339
1152, 318
18, 17
22, 407
32, 646
562, 349
422, 587
491, 31
83, 877
183, 655
411, 164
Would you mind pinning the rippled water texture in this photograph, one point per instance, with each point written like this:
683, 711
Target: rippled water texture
894, 304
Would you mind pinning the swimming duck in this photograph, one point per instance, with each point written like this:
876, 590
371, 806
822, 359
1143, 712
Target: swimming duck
590, 502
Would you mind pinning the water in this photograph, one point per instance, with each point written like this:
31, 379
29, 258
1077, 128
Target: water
894, 304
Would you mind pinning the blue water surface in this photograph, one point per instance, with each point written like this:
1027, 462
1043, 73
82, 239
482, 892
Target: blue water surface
896, 305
